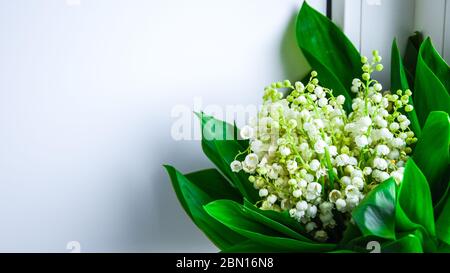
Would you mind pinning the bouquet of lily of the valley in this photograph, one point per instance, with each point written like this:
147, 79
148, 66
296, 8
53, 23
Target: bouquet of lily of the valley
333, 163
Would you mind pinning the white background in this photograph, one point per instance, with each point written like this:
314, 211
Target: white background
86, 93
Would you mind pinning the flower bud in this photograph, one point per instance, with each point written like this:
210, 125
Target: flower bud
366, 68
366, 76
379, 67
409, 108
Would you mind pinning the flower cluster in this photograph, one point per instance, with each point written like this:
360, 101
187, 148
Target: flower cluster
310, 157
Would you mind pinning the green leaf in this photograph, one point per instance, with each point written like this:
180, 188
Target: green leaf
443, 223
410, 243
228, 149
443, 201
430, 93
436, 64
410, 58
375, 215
192, 198
212, 131
280, 217
362, 243
280, 221
350, 233
328, 78
328, 51
404, 225
402, 221
342, 251
415, 198
443, 248
249, 246
220, 146
400, 81
432, 153
239, 219
214, 184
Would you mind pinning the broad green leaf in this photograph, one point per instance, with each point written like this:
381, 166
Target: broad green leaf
443, 223
214, 184
328, 51
228, 149
443, 201
375, 215
402, 221
351, 232
429, 242
214, 130
410, 58
280, 217
410, 243
435, 62
362, 243
415, 198
342, 251
329, 79
432, 153
177, 180
430, 93
443, 248
249, 246
277, 221
239, 219
400, 81
287, 232
404, 225
192, 198
220, 146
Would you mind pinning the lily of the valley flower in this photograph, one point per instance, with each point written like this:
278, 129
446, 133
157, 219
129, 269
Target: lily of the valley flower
311, 158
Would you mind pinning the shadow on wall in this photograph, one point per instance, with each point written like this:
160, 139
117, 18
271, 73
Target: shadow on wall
294, 64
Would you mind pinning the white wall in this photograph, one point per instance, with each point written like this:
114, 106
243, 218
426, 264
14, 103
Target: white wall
430, 19
446, 47
347, 15
86, 92
372, 24
433, 19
